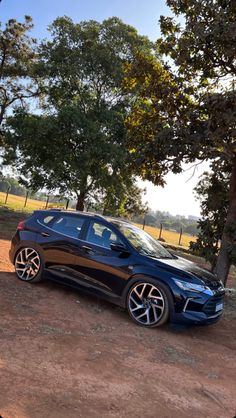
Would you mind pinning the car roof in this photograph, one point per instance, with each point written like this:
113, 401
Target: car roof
113, 220
118, 221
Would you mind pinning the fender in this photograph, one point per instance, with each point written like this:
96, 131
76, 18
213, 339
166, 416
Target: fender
142, 277
22, 244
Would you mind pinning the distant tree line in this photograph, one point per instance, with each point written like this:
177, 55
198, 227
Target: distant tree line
169, 222
12, 185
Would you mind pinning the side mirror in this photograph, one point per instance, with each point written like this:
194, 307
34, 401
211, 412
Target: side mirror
119, 248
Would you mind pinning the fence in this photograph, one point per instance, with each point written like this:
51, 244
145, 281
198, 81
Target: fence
25, 202
170, 236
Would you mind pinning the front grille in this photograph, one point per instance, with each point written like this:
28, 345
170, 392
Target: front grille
210, 306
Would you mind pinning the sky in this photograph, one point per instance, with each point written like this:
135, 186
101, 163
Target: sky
142, 14
177, 196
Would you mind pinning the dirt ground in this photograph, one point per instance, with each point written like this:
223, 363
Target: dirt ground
64, 355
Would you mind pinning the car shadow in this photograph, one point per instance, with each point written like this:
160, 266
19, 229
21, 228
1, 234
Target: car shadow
85, 300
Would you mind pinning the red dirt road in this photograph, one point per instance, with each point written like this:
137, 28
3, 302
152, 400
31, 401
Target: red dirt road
66, 355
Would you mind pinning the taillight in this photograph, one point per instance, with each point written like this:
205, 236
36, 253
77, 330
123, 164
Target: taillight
21, 226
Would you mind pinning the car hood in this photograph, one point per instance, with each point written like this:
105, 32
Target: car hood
184, 265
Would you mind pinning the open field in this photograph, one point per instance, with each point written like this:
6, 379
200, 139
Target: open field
17, 203
170, 237
65, 354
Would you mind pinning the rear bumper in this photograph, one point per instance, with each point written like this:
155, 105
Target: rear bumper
11, 255
15, 243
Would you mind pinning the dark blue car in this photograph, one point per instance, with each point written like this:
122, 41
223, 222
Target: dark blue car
116, 260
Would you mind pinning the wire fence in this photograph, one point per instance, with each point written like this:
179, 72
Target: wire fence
27, 202
161, 233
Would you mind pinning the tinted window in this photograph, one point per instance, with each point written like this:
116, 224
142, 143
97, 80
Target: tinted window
102, 235
68, 225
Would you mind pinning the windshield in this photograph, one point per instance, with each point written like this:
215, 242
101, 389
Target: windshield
143, 242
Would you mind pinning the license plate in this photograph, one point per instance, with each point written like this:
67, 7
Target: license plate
219, 307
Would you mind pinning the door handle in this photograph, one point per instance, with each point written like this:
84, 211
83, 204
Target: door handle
45, 234
87, 249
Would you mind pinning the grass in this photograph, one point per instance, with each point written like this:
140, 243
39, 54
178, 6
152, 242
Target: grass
170, 237
17, 203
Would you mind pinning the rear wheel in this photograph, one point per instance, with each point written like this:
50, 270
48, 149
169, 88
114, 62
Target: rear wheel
148, 304
28, 265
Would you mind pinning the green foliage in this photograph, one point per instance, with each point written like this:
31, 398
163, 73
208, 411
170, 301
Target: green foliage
10, 182
188, 113
17, 57
124, 200
150, 122
205, 46
78, 144
213, 192
168, 221
191, 229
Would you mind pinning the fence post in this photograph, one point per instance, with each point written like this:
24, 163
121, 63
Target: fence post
46, 206
67, 203
144, 222
180, 236
26, 198
160, 231
7, 193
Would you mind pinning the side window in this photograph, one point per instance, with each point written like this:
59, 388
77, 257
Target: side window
102, 235
131, 236
67, 225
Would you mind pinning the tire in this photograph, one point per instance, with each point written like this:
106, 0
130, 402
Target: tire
29, 265
148, 303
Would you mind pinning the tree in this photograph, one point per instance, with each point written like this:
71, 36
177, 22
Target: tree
124, 199
17, 56
191, 229
78, 143
212, 190
189, 113
7, 182
4, 185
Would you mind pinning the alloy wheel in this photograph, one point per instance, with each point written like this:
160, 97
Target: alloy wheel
146, 304
27, 264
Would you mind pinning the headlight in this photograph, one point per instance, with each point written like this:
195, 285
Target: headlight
192, 287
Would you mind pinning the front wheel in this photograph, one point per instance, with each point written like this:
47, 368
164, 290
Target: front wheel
28, 265
148, 304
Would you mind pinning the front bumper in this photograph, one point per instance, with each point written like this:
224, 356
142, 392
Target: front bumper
197, 318
201, 309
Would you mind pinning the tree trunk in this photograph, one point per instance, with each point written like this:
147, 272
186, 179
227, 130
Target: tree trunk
80, 202
223, 261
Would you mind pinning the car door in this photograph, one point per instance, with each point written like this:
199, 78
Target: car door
97, 264
58, 235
